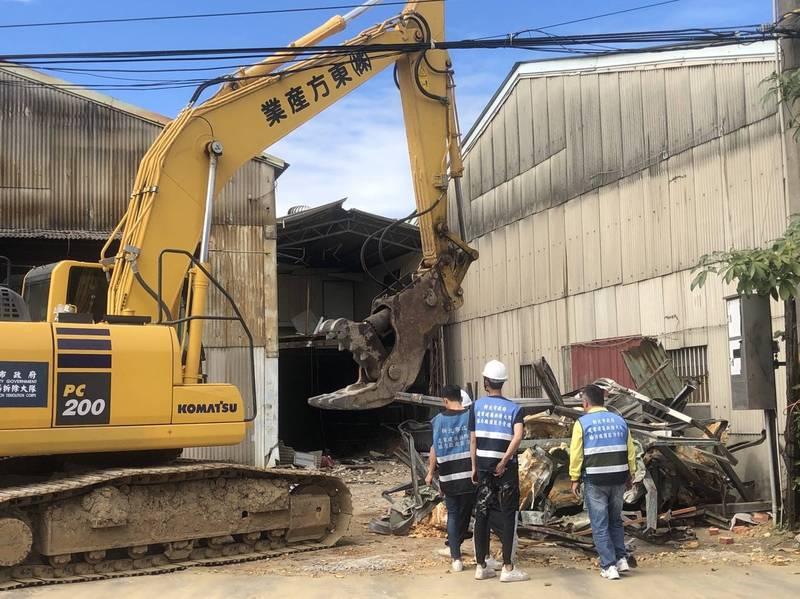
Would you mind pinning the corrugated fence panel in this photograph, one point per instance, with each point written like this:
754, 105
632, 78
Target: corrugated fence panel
558, 252
769, 204
489, 211
694, 303
610, 127
475, 163
630, 96
674, 313
486, 264
679, 110
541, 120
525, 118
513, 279
558, 178
632, 230
655, 114
574, 131
515, 202
498, 132
590, 227
543, 180
758, 105
499, 273
487, 160
529, 278
657, 219
526, 341
651, 306
730, 96
501, 212
703, 88
574, 246
527, 183
592, 132
708, 197
512, 135
582, 317
542, 262
610, 241
629, 320
680, 170
238, 256
739, 216
556, 114
605, 309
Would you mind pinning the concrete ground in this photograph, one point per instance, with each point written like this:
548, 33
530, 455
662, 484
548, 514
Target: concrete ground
650, 582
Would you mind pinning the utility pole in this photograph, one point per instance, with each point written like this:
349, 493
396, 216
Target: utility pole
789, 60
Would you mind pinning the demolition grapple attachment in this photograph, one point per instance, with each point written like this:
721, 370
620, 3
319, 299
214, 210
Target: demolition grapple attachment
390, 345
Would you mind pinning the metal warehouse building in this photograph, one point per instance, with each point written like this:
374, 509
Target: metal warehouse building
592, 187
68, 158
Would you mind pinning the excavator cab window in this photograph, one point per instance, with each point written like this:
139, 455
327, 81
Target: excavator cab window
81, 284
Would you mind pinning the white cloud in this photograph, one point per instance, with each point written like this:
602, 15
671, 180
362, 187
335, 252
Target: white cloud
357, 149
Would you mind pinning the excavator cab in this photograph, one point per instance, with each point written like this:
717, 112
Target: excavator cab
66, 283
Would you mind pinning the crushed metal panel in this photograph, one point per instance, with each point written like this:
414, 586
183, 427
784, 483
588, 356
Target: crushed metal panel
600, 359
644, 359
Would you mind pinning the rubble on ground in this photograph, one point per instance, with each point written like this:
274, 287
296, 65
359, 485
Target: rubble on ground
685, 466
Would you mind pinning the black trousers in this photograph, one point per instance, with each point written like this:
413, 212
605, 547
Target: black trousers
497, 498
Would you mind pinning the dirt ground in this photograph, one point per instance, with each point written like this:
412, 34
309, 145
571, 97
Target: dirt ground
365, 564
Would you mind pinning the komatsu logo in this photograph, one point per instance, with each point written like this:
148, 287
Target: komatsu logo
207, 408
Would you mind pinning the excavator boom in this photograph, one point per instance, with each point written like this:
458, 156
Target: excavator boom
206, 144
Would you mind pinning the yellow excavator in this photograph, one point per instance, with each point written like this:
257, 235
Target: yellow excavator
101, 381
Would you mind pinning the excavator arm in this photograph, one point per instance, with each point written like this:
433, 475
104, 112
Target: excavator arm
198, 152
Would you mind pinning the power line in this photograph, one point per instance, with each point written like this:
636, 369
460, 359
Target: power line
199, 15
590, 18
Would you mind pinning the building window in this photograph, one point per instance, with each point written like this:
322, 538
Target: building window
529, 381
692, 363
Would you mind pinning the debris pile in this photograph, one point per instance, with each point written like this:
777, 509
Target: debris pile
685, 466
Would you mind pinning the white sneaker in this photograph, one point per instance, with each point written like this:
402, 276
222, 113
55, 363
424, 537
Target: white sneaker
457, 566
622, 565
610, 573
483, 573
514, 575
493, 563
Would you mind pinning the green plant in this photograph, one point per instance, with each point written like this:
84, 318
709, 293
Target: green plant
786, 88
774, 270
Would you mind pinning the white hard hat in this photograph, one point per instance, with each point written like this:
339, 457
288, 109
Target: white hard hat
465, 400
495, 371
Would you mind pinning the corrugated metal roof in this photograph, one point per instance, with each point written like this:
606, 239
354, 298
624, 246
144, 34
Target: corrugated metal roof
611, 61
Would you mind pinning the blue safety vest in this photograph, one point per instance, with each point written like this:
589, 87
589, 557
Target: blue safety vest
605, 448
494, 429
451, 442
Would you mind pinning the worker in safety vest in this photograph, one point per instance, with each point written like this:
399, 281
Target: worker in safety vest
603, 457
496, 430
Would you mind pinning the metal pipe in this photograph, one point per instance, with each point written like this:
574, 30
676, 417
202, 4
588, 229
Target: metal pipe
356, 12
770, 424
214, 150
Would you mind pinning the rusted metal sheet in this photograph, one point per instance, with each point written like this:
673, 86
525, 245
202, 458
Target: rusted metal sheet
601, 359
68, 160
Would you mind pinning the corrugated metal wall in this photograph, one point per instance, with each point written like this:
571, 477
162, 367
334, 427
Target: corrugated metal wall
621, 179
67, 164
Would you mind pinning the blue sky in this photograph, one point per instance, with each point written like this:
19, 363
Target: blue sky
366, 159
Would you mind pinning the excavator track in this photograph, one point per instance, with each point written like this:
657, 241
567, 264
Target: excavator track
137, 521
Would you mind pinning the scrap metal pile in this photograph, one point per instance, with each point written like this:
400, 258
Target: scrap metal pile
685, 468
